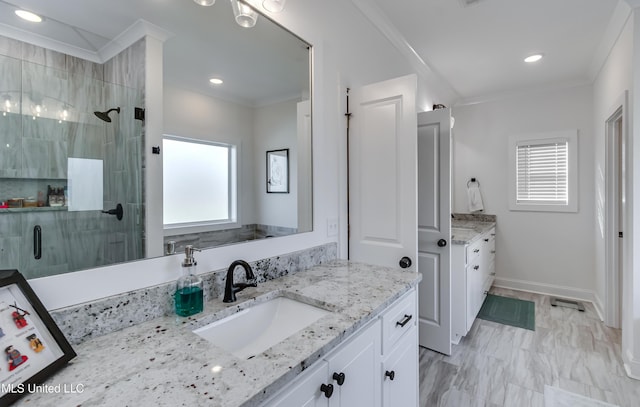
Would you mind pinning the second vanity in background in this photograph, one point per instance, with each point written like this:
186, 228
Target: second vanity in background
473, 251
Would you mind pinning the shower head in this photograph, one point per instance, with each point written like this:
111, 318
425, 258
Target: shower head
105, 115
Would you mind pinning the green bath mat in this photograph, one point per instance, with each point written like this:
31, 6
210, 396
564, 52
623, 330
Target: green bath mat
509, 311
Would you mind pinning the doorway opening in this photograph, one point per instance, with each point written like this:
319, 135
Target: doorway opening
615, 201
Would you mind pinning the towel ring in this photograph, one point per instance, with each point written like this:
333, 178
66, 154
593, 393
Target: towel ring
472, 180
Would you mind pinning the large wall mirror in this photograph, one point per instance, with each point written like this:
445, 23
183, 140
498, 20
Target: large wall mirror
74, 145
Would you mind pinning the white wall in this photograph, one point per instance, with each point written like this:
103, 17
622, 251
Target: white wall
276, 128
347, 51
613, 79
539, 251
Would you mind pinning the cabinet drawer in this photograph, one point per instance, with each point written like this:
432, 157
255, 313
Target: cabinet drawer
474, 250
400, 318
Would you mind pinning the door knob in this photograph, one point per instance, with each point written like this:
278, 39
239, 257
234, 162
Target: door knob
442, 243
390, 374
405, 262
339, 378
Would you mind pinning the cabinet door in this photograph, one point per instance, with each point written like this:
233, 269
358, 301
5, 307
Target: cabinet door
355, 366
400, 373
306, 392
474, 285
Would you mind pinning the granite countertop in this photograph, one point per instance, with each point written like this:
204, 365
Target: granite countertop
466, 229
162, 363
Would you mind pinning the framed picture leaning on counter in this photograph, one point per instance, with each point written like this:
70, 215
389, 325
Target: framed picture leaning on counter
32, 347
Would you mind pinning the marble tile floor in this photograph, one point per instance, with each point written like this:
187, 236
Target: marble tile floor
498, 365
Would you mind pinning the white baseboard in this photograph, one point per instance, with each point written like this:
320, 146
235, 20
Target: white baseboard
597, 303
547, 289
631, 365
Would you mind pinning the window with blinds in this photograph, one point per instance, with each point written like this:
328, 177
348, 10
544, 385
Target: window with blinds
542, 173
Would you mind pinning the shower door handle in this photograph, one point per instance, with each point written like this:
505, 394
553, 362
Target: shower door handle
118, 212
37, 242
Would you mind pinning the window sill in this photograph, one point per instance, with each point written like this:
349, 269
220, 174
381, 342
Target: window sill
571, 208
200, 228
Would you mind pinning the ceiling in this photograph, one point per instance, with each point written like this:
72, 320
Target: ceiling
478, 46
474, 47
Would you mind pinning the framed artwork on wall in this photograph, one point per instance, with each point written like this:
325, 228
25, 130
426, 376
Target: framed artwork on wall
278, 171
32, 345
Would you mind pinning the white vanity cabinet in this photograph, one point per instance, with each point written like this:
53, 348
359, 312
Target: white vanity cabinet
472, 274
400, 353
400, 372
376, 367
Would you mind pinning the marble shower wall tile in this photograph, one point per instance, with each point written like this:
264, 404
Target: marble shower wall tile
85, 96
128, 67
78, 66
85, 140
103, 316
11, 151
10, 81
43, 56
10, 47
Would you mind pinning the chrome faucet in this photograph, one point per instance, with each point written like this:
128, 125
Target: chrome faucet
230, 289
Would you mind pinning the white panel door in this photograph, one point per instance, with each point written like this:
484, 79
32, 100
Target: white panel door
382, 173
434, 229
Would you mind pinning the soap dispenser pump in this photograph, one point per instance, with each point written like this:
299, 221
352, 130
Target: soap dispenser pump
189, 298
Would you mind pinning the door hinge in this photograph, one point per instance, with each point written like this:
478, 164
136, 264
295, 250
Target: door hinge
619, 234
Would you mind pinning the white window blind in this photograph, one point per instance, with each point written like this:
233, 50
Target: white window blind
542, 173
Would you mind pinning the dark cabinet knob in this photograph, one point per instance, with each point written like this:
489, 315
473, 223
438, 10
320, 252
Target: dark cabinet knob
442, 243
327, 389
390, 374
339, 377
405, 262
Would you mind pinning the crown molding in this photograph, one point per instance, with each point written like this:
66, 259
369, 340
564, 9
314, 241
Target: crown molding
496, 97
46, 42
618, 20
136, 31
436, 82
632, 3
124, 40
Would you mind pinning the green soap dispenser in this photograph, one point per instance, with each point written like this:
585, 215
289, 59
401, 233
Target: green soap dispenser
189, 298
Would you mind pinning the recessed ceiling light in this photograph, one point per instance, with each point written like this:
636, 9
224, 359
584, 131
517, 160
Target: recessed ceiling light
533, 58
29, 16
205, 2
216, 81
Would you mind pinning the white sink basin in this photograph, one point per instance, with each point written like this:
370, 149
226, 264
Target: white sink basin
256, 329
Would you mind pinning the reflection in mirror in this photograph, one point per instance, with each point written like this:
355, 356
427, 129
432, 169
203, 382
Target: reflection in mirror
72, 95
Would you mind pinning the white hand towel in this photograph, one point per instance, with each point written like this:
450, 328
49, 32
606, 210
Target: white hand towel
475, 198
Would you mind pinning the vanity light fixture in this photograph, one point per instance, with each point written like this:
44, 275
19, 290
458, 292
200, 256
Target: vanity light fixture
245, 16
274, 6
205, 3
533, 58
29, 16
216, 81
